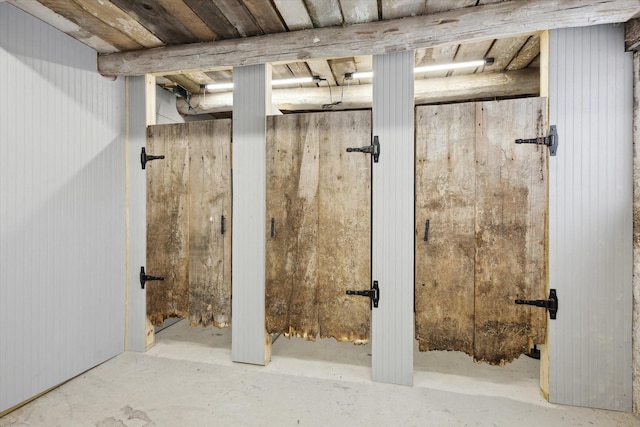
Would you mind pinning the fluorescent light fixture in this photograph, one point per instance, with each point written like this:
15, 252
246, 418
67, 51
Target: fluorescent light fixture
219, 86
360, 75
427, 68
294, 81
451, 66
279, 82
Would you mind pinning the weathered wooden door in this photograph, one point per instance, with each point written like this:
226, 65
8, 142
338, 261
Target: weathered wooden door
481, 210
189, 222
318, 223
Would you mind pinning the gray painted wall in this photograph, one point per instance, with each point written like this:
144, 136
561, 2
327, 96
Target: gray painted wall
62, 209
590, 217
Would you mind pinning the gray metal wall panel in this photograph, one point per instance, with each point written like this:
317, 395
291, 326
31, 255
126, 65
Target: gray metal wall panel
393, 206
251, 103
62, 202
590, 224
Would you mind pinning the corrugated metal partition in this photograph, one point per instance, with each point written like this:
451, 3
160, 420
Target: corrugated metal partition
62, 200
590, 224
392, 262
251, 104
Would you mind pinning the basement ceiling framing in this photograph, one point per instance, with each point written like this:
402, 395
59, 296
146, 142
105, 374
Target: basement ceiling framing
191, 43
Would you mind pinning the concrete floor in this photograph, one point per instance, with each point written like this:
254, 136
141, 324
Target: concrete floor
187, 379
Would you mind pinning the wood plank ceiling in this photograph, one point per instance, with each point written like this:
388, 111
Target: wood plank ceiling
126, 25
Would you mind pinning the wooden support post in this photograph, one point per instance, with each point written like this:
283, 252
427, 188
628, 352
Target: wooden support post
251, 104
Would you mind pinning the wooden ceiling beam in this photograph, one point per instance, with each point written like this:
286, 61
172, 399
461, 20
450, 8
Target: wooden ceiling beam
495, 20
427, 91
632, 35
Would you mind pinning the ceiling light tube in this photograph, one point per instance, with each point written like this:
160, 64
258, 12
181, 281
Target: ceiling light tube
359, 75
219, 86
451, 66
279, 82
294, 81
427, 68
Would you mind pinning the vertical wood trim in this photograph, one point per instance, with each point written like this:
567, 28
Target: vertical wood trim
251, 105
636, 232
150, 99
393, 193
590, 212
544, 92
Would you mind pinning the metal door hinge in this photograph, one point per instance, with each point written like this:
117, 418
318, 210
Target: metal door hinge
144, 277
373, 293
373, 149
550, 141
144, 158
550, 304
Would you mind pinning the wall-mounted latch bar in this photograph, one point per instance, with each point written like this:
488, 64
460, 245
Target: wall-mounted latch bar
550, 141
373, 293
373, 149
550, 304
144, 277
144, 158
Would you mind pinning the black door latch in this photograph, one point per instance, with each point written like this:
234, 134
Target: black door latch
373, 293
373, 149
144, 277
550, 304
144, 158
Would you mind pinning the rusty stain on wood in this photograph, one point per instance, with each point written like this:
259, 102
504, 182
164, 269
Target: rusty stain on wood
486, 199
167, 223
188, 192
292, 202
210, 201
344, 226
445, 183
511, 209
319, 199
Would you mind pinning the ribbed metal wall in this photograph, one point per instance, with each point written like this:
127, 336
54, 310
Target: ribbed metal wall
590, 224
251, 103
62, 205
393, 189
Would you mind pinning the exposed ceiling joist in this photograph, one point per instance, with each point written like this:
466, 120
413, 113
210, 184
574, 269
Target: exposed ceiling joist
489, 21
427, 91
632, 35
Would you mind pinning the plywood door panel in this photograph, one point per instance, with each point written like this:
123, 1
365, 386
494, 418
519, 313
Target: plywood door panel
511, 209
168, 223
344, 218
445, 196
209, 239
292, 202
